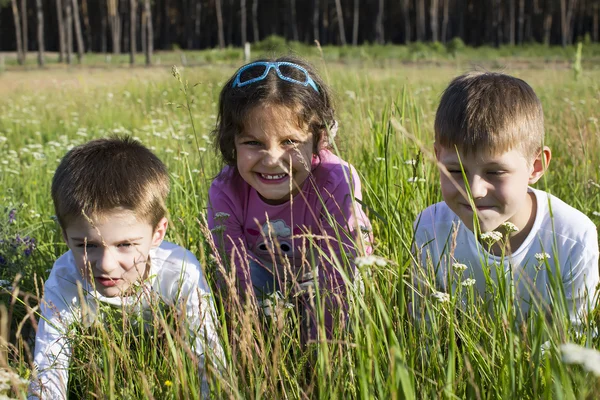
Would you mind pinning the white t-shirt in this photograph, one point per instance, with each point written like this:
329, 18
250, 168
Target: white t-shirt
567, 235
175, 278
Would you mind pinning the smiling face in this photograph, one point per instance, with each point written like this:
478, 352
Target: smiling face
111, 251
498, 184
270, 150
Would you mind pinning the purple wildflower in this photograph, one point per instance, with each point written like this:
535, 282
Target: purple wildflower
12, 216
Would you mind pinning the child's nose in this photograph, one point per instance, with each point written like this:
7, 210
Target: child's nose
273, 156
478, 186
107, 262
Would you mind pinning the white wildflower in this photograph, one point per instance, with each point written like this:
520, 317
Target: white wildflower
370, 261
458, 267
542, 256
410, 162
589, 359
596, 213
509, 227
4, 284
218, 229
468, 282
414, 179
202, 149
491, 237
442, 297
221, 216
379, 159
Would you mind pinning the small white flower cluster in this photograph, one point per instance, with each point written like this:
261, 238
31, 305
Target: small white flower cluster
458, 267
273, 300
218, 229
441, 297
370, 261
491, 237
542, 256
509, 227
468, 282
589, 359
221, 216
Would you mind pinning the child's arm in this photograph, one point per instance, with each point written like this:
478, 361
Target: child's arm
580, 281
52, 351
227, 232
201, 317
348, 230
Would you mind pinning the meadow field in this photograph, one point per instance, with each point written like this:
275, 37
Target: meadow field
386, 118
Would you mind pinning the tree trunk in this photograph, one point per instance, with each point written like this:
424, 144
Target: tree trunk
379, 32
595, 18
420, 20
521, 21
132, 31
255, 32
114, 21
61, 31
566, 16
69, 26
406, 13
340, 18
243, 21
511, 22
40, 32
548, 10
103, 28
220, 24
78, 34
86, 25
15, 10
445, 21
197, 22
294, 20
315, 22
149, 32
25, 41
355, 24
433, 13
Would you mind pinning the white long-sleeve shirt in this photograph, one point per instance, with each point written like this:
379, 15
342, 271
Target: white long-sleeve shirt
565, 235
175, 278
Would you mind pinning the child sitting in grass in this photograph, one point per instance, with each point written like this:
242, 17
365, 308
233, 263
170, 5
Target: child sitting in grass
489, 144
283, 209
109, 197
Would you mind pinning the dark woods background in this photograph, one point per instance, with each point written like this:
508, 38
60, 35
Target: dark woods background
106, 25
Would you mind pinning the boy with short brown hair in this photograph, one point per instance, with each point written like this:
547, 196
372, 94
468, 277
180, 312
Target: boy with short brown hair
109, 196
489, 129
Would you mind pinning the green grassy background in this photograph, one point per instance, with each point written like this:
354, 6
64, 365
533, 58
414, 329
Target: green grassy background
385, 110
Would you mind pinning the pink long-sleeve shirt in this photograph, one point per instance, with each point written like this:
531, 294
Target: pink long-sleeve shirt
323, 211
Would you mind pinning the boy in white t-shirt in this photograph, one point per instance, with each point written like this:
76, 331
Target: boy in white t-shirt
109, 197
489, 129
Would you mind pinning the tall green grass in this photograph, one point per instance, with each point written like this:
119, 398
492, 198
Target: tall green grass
386, 121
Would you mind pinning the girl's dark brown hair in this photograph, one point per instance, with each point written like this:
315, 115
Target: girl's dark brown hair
314, 109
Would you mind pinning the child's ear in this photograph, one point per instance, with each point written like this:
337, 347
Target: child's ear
540, 164
159, 232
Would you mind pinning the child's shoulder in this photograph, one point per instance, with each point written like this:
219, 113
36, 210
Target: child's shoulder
228, 180
435, 214
172, 257
560, 217
330, 171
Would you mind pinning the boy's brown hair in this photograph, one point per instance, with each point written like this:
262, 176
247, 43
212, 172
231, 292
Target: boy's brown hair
106, 174
314, 109
491, 112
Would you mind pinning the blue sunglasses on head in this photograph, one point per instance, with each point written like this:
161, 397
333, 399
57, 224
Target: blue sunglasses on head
239, 81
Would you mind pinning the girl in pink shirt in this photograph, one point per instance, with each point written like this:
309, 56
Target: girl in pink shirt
283, 211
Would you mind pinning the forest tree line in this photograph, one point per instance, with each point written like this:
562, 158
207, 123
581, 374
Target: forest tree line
74, 27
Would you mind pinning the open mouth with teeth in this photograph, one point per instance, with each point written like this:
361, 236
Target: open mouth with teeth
272, 177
